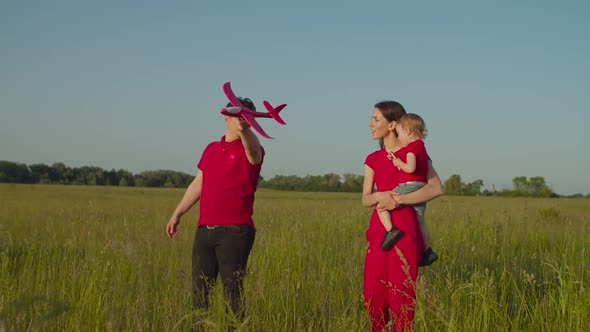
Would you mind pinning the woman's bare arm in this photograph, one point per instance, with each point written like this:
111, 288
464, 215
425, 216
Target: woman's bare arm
431, 190
375, 199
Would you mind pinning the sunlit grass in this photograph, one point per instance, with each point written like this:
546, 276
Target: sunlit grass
97, 258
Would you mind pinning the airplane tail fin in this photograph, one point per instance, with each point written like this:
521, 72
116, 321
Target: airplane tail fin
274, 112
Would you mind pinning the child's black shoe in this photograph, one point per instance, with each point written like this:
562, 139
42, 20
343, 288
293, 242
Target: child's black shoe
390, 238
428, 258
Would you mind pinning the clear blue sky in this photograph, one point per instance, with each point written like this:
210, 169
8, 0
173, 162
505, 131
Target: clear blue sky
503, 85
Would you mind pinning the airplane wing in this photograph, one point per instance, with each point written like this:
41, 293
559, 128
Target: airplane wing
254, 124
230, 95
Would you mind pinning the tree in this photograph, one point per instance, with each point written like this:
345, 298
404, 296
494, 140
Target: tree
312, 183
40, 173
326, 182
352, 183
59, 173
577, 195
282, 182
453, 185
538, 187
163, 178
14, 172
534, 186
123, 182
520, 184
111, 178
473, 188
125, 178
331, 182
138, 180
90, 175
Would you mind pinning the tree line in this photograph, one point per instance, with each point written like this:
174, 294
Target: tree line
522, 186
59, 173
326, 182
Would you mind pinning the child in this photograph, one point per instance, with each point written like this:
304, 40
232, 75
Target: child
412, 161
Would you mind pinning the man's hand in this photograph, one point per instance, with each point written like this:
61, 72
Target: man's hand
238, 124
171, 227
243, 126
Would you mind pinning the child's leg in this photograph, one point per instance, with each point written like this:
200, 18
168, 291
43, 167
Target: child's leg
429, 255
385, 217
424, 230
392, 234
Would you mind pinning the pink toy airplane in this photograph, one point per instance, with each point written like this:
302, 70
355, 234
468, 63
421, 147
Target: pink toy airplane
249, 115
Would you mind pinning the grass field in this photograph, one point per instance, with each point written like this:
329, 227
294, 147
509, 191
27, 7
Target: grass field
97, 258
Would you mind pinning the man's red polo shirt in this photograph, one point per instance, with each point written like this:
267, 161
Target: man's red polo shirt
229, 184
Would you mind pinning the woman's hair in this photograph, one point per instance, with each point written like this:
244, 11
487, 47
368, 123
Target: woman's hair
392, 111
415, 123
247, 102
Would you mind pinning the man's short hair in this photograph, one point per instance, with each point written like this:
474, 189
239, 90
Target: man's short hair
247, 102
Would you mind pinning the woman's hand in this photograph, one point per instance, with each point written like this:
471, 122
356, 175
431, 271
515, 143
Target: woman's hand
385, 201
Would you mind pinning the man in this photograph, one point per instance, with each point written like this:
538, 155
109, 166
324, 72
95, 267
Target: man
225, 184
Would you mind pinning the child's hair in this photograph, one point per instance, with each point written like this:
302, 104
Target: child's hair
415, 123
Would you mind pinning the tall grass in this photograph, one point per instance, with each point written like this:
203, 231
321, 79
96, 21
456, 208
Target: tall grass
97, 258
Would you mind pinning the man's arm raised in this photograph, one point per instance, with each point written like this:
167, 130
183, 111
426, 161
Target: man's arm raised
251, 144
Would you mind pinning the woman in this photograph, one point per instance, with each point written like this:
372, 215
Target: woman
390, 276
